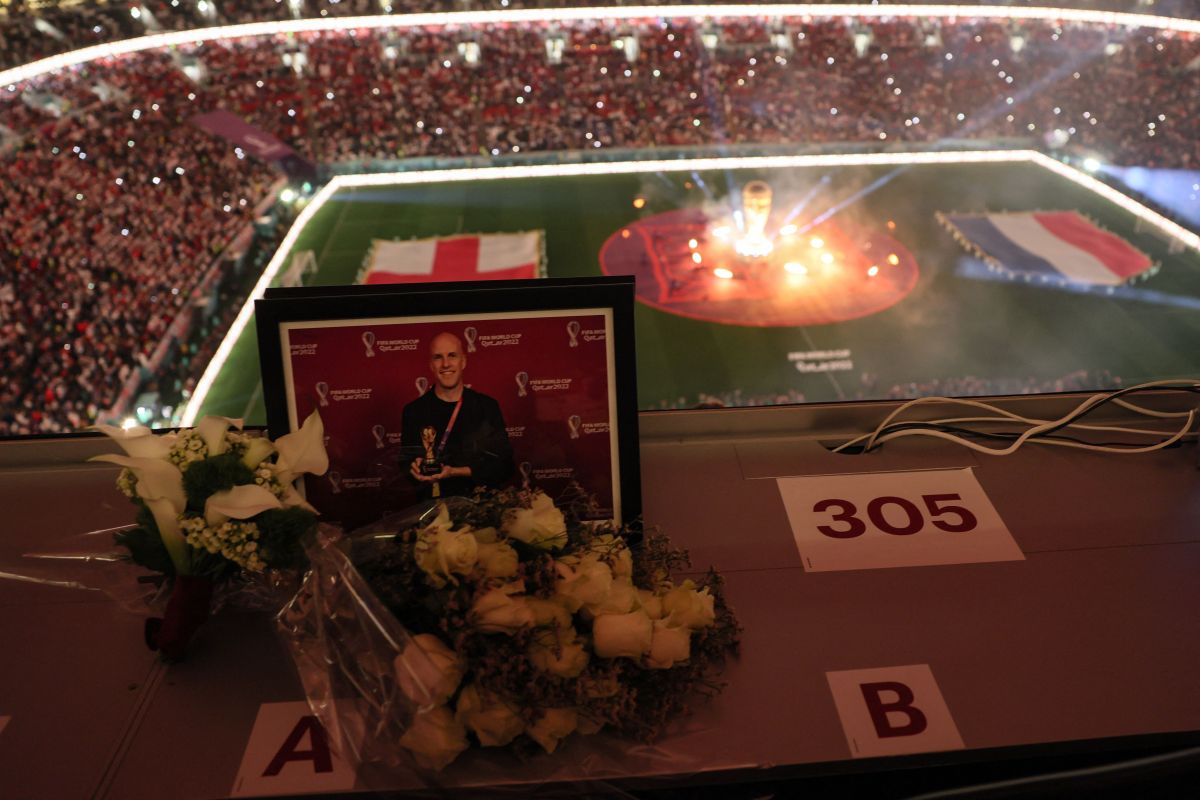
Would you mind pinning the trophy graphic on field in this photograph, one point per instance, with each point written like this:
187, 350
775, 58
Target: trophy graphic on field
368, 340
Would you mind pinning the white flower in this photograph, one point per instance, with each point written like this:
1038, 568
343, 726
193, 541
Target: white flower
548, 612
683, 605
585, 584
431, 674
493, 721
212, 430
485, 535
651, 603
615, 553
435, 738
622, 598
497, 560
240, 502
443, 553
559, 652
499, 612
160, 486
629, 635
138, 441
670, 645
541, 526
303, 450
554, 725
257, 450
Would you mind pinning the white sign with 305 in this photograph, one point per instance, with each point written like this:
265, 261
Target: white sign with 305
894, 519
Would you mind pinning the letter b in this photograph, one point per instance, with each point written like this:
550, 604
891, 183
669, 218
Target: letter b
879, 709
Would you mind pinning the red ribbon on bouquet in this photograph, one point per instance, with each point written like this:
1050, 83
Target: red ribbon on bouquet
187, 610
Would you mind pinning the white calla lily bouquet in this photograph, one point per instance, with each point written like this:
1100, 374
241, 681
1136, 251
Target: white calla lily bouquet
213, 504
512, 624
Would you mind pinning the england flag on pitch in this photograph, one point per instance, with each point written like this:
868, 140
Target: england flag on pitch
1058, 244
474, 257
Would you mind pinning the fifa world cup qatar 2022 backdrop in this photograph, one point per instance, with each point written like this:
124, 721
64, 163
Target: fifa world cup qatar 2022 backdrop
550, 372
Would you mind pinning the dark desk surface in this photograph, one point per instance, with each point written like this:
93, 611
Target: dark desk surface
1094, 635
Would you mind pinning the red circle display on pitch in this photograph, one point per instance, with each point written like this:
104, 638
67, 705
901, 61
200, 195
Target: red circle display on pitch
687, 264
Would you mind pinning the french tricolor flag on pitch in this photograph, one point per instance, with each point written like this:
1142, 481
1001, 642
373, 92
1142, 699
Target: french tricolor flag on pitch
1057, 244
474, 257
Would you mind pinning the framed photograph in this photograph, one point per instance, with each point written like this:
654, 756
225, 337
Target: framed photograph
433, 389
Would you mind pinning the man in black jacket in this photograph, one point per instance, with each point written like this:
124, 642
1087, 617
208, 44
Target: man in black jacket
460, 432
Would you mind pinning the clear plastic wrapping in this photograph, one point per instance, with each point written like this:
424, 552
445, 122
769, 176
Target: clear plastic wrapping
363, 675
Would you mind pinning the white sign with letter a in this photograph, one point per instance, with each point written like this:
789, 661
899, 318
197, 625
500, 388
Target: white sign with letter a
892, 711
894, 519
290, 753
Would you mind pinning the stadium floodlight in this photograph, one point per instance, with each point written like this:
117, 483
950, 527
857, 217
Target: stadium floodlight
555, 45
469, 52
1091, 164
710, 39
627, 44
1016, 43
862, 40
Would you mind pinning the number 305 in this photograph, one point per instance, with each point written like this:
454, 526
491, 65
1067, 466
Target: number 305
905, 520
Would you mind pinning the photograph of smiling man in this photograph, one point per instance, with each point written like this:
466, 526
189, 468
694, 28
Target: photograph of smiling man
462, 435
423, 406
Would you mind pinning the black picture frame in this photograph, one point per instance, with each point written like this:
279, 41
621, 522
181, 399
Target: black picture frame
614, 295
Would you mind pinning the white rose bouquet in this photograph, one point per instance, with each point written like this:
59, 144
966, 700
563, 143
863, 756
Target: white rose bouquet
213, 504
522, 625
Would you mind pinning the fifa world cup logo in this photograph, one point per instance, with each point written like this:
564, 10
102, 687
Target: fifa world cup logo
573, 329
422, 384
470, 334
575, 423
322, 392
378, 432
335, 480
526, 470
368, 340
522, 379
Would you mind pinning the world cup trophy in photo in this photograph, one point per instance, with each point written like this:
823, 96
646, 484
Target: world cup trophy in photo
368, 340
429, 464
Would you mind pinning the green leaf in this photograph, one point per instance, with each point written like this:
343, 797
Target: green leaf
144, 544
282, 535
202, 479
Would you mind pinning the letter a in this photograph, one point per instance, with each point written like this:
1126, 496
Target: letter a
902, 705
319, 754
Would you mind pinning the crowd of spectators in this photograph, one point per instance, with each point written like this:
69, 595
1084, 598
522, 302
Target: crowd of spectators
29, 31
92, 271
112, 206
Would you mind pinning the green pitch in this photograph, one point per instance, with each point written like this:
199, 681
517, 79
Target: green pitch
950, 326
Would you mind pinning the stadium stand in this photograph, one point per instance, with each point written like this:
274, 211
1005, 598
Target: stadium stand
93, 272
